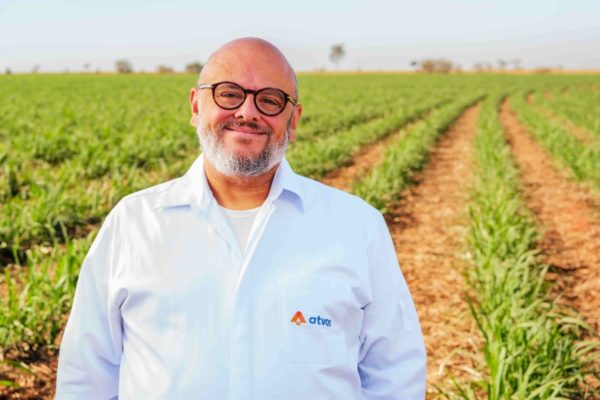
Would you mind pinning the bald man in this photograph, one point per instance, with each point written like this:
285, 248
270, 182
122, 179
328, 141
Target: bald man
240, 279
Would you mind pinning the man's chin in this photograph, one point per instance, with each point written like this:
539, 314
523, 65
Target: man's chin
244, 153
244, 143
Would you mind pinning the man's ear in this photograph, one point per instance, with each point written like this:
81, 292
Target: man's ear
294, 121
194, 106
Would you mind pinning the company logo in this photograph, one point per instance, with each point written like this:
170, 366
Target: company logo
299, 319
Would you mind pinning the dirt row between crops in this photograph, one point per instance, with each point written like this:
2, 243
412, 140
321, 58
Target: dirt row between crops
582, 134
367, 157
428, 226
568, 216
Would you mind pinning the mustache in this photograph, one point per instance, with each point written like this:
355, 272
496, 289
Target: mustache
247, 124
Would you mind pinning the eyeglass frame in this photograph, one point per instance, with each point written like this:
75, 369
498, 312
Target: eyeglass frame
213, 86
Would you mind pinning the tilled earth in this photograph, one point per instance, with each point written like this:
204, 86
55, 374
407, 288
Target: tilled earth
37, 384
569, 217
428, 227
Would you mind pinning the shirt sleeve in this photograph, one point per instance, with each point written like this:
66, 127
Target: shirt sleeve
90, 351
392, 354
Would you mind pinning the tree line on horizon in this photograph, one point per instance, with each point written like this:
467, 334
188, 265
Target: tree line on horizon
336, 54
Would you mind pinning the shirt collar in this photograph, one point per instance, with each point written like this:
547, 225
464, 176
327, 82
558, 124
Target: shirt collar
193, 189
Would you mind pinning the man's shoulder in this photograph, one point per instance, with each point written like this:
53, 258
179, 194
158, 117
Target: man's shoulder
324, 197
154, 195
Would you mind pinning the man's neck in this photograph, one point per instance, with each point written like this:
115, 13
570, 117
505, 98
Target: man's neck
239, 192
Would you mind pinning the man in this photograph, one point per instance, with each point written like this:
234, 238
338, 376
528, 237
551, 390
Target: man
241, 279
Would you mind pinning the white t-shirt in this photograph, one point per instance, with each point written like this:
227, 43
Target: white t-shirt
241, 222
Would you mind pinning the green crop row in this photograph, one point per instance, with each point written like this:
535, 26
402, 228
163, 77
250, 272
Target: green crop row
581, 108
317, 158
37, 297
42, 201
408, 153
533, 347
582, 160
354, 100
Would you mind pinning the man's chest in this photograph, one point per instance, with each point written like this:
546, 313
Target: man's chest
300, 294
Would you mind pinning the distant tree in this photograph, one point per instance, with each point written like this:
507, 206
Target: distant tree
427, 66
194, 68
86, 66
502, 64
8, 71
35, 69
478, 67
123, 67
337, 53
431, 65
516, 62
164, 69
444, 66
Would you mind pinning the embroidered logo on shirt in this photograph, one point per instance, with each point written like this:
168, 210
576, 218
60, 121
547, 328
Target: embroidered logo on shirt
298, 319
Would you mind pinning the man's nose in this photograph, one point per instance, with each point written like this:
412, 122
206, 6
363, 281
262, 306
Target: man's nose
248, 109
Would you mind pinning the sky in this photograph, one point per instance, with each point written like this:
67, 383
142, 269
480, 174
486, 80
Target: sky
60, 35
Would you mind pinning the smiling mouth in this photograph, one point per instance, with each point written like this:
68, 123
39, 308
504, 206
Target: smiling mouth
246, 131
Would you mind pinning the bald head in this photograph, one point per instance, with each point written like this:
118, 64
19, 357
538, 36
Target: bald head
256, 59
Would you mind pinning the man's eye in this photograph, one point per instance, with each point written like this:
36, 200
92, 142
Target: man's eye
271, 101
232, 95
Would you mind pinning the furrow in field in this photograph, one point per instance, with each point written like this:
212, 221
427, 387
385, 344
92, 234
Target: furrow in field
428, 227
36, 384
368, 156
581, 134
569, 216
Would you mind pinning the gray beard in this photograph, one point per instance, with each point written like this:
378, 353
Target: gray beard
232, 164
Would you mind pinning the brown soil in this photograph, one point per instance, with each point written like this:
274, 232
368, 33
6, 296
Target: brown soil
529, 98
428, 227
37, 384
367, 157
569, 216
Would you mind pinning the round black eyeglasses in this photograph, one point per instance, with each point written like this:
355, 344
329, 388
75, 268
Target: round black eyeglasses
229, 96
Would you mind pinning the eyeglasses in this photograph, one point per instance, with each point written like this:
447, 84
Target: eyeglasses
229, 96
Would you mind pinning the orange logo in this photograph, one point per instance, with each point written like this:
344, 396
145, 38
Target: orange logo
298, 318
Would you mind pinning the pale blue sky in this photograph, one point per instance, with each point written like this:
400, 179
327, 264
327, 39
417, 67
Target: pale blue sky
377, 34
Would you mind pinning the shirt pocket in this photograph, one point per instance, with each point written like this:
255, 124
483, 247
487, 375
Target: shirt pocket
311, 321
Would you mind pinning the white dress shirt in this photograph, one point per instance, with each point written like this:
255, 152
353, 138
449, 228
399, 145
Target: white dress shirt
168, 307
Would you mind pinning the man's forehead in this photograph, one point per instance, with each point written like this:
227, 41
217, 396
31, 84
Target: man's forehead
253, 65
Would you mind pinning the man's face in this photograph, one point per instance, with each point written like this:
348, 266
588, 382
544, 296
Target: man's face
242, 161
243, 141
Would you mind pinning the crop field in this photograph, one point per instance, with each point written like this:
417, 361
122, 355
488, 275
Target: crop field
490, 185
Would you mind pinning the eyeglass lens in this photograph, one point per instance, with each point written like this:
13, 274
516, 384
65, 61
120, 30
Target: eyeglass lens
231, 96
